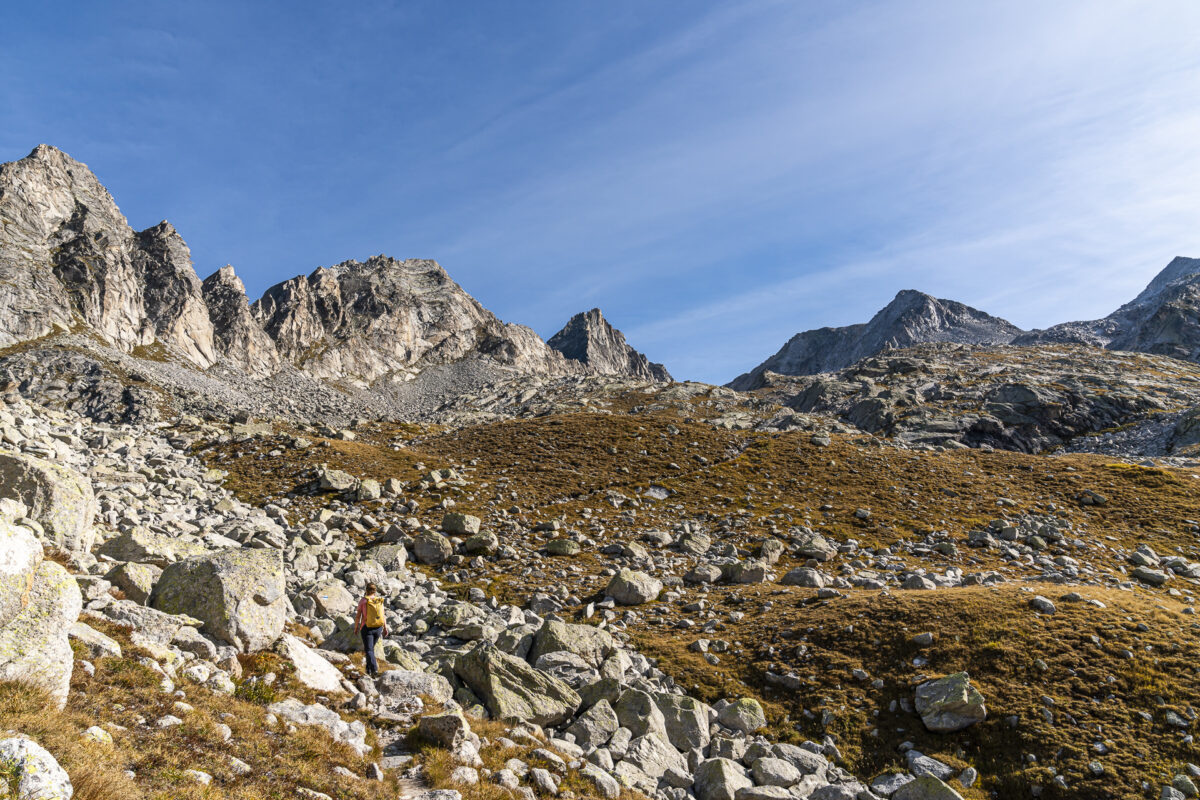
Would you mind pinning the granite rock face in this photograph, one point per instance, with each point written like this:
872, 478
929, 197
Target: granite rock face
71, 266
67, 255
237, 335
365, 320
589, 339
911, 318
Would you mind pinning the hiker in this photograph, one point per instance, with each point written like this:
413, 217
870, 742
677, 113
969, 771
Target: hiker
370, 622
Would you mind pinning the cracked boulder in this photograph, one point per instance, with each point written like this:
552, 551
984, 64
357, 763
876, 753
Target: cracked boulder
514, 691
238, 594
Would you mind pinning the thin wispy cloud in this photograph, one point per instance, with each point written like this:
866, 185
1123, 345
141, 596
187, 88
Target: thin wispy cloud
715, 176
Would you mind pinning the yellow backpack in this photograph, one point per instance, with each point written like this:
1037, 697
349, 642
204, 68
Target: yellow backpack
373, 614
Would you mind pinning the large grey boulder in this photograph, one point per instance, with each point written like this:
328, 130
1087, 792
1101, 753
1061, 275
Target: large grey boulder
431, 548
811, 544
333, 599
135, 580
606, 785
637, 711
512, 690
630, 588
34, 647
20, 554
655, 756
950, 704
402, 684
686, 720
145, 547
457, 524
310, 668
745, 715
807, 762
392, 557
594, 727
58, 497
591, 644
720, 779
775, 772
926, 787
32, 772
238, 594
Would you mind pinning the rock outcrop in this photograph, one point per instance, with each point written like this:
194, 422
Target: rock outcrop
589, 339
237, 335
911, 318
67, 255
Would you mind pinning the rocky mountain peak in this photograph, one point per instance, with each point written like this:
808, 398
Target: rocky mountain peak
911, 318
1163, 319
1180, 269
364, 320
589, 339
68, 256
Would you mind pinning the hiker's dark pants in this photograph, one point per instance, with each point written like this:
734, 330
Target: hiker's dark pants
370, 636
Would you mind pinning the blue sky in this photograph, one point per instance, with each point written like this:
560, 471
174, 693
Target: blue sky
715, 176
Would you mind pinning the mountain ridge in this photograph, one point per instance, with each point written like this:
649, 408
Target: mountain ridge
1164, 319
70, 260
911, 318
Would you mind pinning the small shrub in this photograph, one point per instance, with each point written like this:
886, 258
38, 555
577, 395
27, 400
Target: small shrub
258, 692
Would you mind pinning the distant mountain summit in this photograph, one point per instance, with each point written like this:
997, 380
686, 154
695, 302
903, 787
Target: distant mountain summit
589, 339
1164, 319
911, 318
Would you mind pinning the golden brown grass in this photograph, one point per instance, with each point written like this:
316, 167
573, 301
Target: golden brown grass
1097, 689
559, 465
125, 693
96, 771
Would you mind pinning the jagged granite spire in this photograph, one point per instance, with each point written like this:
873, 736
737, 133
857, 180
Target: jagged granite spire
239, 338
589, 339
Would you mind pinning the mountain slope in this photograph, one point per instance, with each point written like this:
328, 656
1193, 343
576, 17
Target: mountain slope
589, 339
911, 318
1164, 319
